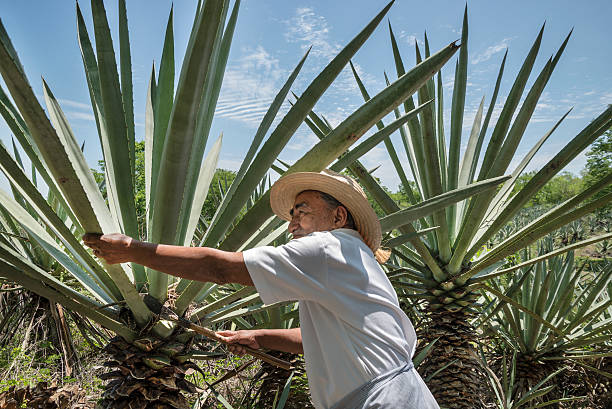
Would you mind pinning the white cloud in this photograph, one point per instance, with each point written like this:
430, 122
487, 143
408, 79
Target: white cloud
249, 87
411, 38
311, 29
491, 51
74, 104
80, 115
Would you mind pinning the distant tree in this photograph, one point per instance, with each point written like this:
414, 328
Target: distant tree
599, 164
221, 182
558, 189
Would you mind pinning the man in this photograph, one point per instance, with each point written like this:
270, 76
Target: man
356, 340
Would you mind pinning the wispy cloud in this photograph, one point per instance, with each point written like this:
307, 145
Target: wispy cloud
411, 39
308, 28
74, 104
491, 51
76, 110
249, 87
80, 115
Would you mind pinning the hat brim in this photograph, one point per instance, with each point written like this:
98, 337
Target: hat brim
284, 191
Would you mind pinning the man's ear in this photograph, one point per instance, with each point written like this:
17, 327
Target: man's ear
340, 217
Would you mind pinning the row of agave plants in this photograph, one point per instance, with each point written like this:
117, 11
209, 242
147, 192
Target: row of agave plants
443, 264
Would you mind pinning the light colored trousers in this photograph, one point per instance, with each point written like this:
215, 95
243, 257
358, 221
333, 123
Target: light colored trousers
400, 388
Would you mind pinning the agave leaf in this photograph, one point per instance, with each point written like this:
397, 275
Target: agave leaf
208, 103
478, 206
206, 319
428, 206
88, 279
251, 310
376, 138
46, 139
510, 247
433, 171
457, 109
207, 171
182, 124
181, 137
411, 141
570, 151
561, 209
118, 166
501, 198
388, 144
19, 129
404, 238
149, 141
520, 307
228, 299
163, 103
289, 124
485, 123
127, 93
70, 300
41, 208
546, 256
212, 234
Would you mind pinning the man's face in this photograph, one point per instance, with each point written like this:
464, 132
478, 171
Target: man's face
310, 213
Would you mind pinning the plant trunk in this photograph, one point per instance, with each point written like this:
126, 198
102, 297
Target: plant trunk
274, 380
459, 384
149, 376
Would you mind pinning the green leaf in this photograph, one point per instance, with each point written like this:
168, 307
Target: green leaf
72, 300
118, 168
388, 144
289, 124
223, 216
478, 206
207, 172
126, 83
285, 394
181, 135
458, 105
345, 134
18, 179
375, 139
426, 207
163, 104
46, 139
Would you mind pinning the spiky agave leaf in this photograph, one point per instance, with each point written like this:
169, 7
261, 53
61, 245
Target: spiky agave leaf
443, 268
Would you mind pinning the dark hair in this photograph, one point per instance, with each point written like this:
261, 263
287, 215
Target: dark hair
333, 203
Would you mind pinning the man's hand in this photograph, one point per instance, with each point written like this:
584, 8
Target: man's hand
284, 340
239, 338
113, 248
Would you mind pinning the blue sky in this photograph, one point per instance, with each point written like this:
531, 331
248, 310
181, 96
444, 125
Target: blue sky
272, 36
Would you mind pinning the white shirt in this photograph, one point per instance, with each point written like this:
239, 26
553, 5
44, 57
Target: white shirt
352, 326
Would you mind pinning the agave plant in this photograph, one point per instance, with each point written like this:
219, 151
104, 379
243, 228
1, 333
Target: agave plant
548, 313
504, 389
447, 265
150, 355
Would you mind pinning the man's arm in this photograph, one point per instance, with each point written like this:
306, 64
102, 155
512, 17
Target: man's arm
284, 340
193, 263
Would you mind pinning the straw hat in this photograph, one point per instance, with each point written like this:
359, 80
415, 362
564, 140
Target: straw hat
344, 189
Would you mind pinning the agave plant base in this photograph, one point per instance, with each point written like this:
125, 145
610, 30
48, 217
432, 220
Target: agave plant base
275, 379
150, 375
457, 377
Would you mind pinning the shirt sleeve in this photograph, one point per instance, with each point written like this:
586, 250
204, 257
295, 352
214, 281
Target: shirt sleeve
294, 271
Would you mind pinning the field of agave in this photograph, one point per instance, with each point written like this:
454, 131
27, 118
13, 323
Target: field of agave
512, 303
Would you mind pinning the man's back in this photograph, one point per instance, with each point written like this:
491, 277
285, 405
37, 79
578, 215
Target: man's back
352, 326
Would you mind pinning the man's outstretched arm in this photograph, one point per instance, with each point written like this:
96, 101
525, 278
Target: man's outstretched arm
284, 340
193, 263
